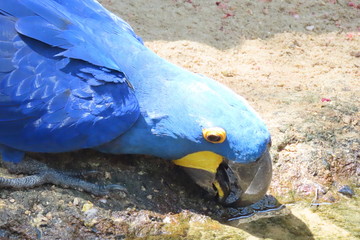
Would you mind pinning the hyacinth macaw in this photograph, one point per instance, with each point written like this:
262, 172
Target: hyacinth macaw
75, 76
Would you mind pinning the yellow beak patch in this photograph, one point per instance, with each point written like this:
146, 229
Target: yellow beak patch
205, 160
219, 189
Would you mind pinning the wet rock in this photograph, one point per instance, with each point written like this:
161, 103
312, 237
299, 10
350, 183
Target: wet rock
265, 208
347, 191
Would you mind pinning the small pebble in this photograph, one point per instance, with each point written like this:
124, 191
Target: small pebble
355, 54
149, 197
347, 191
12, 200
76, 201
87, 206
48, 215
310, 27
40, 220
167, 220
91, 213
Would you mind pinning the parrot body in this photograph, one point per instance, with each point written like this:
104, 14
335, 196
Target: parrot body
75, 76
52, 101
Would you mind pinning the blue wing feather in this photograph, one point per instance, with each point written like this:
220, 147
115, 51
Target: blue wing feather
56, 96
26, 25
65, 24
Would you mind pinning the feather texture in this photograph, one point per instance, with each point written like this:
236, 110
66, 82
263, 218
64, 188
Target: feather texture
52, 101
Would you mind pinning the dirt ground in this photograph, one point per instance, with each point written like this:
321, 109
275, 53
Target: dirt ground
297, 63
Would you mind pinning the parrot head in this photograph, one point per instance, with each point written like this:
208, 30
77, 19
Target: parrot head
227, 146
206, 129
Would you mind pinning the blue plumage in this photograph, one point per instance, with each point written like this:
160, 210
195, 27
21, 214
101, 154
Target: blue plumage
74, 76
53, 103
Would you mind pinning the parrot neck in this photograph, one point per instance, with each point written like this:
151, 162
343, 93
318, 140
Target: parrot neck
152, 77
147, 71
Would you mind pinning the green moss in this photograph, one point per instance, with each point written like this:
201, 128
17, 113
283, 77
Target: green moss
178, 227
345, 214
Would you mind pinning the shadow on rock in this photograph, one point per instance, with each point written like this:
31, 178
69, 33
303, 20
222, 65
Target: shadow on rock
282, 227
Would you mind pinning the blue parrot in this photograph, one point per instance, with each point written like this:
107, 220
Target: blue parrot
75, 76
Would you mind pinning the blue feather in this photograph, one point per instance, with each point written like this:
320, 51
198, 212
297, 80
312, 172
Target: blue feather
26, 27
6, 65
10, 154
14, 8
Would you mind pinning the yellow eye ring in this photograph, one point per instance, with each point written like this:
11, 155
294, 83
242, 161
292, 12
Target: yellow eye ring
214, 135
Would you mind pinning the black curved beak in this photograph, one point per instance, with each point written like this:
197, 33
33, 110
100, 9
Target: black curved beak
244, 184
236, 184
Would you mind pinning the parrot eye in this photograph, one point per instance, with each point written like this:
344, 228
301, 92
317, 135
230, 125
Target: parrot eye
214, 135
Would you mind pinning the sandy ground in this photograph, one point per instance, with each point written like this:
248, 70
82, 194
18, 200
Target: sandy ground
297, 63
